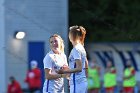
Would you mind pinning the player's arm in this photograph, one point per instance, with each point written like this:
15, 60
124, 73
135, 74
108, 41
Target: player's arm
132, 74
37, 73
48, 68
78, 62
86, 67
49, 75
78, 68
27, 78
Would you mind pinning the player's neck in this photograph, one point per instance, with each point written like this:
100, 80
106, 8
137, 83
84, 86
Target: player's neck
76, 43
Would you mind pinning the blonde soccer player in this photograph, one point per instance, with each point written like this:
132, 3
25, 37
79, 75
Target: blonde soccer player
53, 61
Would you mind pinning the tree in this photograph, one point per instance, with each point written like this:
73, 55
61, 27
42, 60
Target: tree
107, 20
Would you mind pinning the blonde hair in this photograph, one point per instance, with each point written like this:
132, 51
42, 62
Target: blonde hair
78, 32
62, 42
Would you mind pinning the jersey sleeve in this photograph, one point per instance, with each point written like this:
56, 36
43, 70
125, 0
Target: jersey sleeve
47, 62
76, 54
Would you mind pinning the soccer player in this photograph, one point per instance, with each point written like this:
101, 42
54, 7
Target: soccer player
33, 78
14, 86
93, 77
53, 61
110, 81
129, 81
77, 61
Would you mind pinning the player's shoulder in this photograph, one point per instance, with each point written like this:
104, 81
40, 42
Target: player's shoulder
48, 55
77, 49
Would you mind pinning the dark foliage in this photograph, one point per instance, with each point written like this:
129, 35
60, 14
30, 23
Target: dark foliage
107, 20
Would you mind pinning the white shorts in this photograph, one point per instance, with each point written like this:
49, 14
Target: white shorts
50, 88
79, 87
44, 91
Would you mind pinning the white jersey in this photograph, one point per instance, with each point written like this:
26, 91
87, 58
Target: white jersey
54, 62
78, 52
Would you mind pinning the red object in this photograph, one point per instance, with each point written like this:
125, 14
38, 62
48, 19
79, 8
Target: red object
128, 89
109, 89
113, 71
14, 88
33, 78
133, 72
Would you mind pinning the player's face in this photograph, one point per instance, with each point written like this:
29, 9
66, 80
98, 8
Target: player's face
128, 63
55, 44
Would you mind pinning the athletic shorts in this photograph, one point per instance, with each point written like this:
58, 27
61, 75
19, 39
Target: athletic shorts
109, 89
128, 89
79, 87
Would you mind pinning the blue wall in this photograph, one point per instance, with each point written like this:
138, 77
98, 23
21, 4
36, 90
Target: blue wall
36, 52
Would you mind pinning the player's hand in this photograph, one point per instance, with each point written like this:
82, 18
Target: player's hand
65, 67
60, 71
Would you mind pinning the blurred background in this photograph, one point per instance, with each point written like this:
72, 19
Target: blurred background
112, 33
